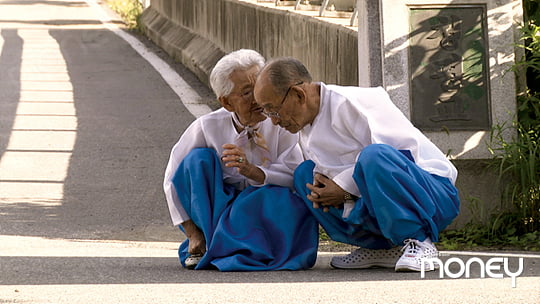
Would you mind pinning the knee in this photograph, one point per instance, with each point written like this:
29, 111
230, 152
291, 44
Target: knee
372, 154
304, 170
306, 166
303, 174
198, 156
199, 153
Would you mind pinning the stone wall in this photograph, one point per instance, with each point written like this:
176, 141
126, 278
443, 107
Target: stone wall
459, 88
387, 37
198, 33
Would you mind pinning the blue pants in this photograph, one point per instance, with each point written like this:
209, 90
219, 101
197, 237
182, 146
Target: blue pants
399, 201
259, 228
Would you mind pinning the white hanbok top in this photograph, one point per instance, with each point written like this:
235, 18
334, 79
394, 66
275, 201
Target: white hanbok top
215, 129
351, 118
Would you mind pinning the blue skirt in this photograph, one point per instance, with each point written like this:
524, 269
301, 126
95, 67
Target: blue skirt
259, 228
399, 200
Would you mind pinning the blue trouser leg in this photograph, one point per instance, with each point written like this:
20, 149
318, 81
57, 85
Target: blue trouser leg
259, 228
266, 228
399, 200
199, 184
405, 200
366, 235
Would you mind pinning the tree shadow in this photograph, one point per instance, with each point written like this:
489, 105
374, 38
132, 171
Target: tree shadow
10, 85
127, 121
457, 99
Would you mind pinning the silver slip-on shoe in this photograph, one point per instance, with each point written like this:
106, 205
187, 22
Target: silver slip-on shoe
362, 258
192, 260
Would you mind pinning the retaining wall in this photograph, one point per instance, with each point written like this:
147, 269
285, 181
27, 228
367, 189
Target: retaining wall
199, 32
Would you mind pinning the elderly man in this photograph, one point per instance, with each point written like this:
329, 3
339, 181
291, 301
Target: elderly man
228, 178
372, 179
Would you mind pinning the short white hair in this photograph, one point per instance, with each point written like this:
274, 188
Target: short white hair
242, 59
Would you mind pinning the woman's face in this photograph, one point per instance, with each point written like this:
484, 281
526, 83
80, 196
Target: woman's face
241, 100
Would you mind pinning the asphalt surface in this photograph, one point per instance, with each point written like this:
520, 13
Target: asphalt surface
86, 127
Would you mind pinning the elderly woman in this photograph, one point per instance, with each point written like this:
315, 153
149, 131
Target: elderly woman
228, 182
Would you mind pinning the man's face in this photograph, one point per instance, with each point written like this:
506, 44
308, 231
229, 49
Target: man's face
241, 100
284, 110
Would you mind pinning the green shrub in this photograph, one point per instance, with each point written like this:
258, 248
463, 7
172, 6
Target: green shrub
517, 223
518, 161
129, 10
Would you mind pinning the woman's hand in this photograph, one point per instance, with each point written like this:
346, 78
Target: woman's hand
325, 193
234, 156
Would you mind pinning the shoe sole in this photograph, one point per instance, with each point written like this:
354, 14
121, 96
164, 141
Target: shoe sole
410, 268
364, 266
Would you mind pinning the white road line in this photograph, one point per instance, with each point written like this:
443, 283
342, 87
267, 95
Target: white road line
189, 97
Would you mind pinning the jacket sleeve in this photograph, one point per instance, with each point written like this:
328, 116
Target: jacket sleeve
288, 157
192, 138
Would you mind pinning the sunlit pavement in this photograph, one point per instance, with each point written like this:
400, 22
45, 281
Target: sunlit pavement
44, 126
48, 270
86, 126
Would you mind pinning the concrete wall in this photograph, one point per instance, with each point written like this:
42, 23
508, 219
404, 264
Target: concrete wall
198, 33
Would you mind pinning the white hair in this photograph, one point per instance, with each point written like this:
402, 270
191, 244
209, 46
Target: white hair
242, 59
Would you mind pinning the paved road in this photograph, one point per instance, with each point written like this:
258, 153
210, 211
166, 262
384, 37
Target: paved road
86, 125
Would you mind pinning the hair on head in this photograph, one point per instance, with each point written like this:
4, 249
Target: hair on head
286, 71
242, 59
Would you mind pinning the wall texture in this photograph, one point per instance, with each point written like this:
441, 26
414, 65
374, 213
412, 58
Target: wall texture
198, 32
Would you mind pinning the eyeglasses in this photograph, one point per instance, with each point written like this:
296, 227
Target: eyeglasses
275, 114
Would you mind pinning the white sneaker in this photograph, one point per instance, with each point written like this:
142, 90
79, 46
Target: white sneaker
366, 258
413, 253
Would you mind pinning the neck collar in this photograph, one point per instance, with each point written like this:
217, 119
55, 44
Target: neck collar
240, 127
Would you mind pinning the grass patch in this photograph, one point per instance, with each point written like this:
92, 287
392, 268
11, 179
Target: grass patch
476, 237
129, 10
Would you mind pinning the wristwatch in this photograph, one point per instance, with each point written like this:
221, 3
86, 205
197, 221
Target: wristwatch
348, 196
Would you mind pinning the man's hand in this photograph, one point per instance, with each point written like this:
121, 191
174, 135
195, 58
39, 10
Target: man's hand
234, 156
325, 193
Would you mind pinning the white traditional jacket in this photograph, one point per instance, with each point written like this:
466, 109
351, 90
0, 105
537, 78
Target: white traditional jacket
215, 129
351, 118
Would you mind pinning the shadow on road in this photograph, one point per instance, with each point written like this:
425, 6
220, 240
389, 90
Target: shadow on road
153, 270
10, 85
127, 120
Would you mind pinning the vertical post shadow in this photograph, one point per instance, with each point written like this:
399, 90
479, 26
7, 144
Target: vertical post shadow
10, 83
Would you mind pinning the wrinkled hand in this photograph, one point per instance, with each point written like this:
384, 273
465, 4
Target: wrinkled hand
325, 193
234, 156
